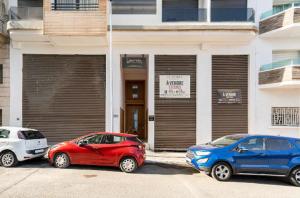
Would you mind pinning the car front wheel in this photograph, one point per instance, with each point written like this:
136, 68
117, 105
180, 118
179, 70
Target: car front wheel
8, 159
61, 160
221, 172
128, 165
295, 177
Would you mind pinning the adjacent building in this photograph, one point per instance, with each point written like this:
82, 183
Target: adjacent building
179, 73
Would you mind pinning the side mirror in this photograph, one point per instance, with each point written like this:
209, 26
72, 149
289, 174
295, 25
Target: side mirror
242, 149
82, 143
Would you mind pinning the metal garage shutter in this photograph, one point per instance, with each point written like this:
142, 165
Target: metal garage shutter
175, 119
64, 95
229, 72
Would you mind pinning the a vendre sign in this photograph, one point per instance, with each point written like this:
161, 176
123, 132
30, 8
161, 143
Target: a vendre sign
174, 86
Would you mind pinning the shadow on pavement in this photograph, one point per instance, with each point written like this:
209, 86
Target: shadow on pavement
280, 181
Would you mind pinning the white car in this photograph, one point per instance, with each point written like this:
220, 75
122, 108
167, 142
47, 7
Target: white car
20, 144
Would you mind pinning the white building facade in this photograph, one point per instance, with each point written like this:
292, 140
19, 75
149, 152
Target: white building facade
183, 72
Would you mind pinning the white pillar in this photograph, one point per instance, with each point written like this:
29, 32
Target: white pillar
16, 79
208, 6
204, 100
151, 99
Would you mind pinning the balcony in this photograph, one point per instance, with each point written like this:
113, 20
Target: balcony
281, 74
83, 18
200, 15
282, 21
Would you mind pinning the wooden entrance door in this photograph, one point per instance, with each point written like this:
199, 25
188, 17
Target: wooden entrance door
135, 108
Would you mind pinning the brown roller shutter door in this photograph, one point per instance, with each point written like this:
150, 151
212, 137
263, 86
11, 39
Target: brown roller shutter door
175, 119
229, 72
64, 95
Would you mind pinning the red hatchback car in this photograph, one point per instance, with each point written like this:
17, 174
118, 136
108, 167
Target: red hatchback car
100, 149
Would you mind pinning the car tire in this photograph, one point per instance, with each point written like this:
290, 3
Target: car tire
8, 159
221, 171
128, 164
295, 177
61, 160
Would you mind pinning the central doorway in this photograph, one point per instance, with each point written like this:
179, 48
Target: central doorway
134, 111
135, 108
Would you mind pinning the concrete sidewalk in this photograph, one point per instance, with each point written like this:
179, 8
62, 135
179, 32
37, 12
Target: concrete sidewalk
168, 158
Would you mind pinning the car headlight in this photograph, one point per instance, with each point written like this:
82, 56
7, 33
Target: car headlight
202, 153
204, 160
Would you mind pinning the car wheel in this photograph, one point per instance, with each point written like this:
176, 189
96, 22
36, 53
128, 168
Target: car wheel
61, 160
221, 172
128, 165
8, 159
295, 177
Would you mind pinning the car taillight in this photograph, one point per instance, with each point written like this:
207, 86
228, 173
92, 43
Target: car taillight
21, 135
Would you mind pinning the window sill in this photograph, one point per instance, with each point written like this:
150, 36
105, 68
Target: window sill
284, 127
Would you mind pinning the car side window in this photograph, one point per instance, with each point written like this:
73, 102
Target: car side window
4, 134
298, 144
274, 144
94, 139
253, 144
112, 139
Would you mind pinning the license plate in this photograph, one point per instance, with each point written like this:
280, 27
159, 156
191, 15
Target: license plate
39, 151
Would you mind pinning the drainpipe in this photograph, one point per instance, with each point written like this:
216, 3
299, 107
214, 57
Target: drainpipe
111, 68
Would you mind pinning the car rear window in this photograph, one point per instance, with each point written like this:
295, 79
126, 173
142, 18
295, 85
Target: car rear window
4, 133
31, 135
134, 139
277, 144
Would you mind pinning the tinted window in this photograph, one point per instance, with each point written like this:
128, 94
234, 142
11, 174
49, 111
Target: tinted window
298, 144
4, 133
277, 144
31, 135
253, 144
112, 139
94, 139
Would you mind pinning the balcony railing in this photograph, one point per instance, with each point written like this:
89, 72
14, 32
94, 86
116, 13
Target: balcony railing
279, 64
232, 15
26, 13
75, 5
184, 14
200, 15
279, 9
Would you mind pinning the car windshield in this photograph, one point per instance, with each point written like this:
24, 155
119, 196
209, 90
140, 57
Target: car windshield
226, 140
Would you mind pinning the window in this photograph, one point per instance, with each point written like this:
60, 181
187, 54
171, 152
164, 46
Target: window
1, 74
134, 6
4, 133
75, 4
112, 139
0, 117
134, 139
286, 116
94, 139
253, 144
273, 144
30, 135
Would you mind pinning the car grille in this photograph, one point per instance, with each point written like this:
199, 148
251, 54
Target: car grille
190, 154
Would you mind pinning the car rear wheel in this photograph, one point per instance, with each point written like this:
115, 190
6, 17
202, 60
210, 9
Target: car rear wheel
295, 177
8, 159
221, 172
61, 160
128, 165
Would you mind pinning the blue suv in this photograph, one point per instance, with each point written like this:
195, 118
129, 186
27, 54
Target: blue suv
248, 155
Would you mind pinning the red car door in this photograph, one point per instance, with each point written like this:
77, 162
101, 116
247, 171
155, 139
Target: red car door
110, 150
87, 151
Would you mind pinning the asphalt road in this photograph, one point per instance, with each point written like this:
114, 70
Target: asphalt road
36, 179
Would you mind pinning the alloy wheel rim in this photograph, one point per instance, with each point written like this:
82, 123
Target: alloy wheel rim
222, 172
297, 176
61, 161
128, 165
8, 159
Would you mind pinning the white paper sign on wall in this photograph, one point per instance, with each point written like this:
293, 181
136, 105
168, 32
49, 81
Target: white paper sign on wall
174, 86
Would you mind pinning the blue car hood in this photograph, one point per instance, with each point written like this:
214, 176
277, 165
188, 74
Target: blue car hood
206, 147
